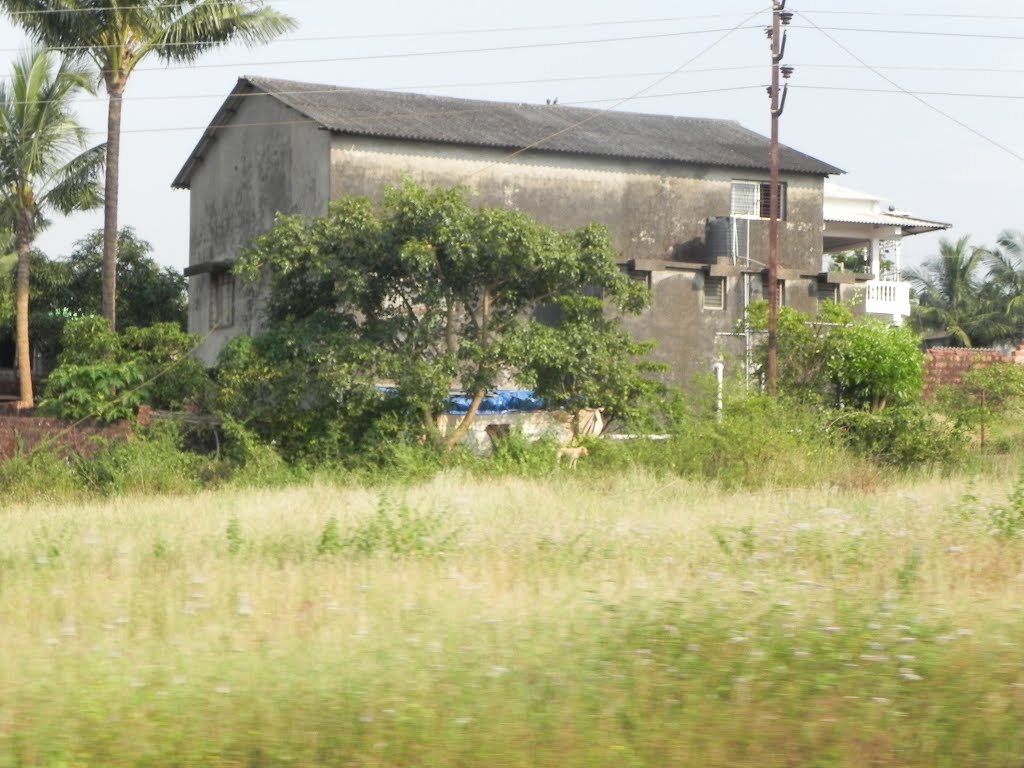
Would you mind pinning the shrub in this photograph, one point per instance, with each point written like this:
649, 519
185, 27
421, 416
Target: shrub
105, 376
153, 462
904, 437
397, 529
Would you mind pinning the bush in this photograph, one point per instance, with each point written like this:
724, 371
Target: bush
905, 437
154, 462
41, 475
105, 376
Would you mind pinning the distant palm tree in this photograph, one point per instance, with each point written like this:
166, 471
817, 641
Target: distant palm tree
954, 297
44, 165
117, 35
1006, 273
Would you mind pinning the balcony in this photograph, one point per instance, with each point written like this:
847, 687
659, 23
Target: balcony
888, 297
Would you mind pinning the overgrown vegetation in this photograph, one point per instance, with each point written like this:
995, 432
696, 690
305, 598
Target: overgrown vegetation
579, 620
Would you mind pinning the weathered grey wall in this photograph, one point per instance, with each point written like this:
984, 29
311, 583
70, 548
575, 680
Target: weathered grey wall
657, 215
654, 211
270, 160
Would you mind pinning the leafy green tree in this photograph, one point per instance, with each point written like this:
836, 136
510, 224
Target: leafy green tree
587, 360
149, 293
117, 35
803, 347
44, 166
985, 395
952, 297
105, 375
832, 358
429, 294
872, 364
1006, 278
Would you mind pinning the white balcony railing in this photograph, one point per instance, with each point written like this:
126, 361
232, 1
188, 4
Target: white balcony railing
888, 297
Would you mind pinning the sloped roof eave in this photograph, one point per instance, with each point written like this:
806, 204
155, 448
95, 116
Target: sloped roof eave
911, 226
296, 96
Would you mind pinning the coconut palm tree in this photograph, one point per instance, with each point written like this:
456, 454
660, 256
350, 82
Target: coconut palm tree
1006, 273
954, 297
44, 166
119, 34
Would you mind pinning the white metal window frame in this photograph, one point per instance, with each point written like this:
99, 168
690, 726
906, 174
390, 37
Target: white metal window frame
747, 199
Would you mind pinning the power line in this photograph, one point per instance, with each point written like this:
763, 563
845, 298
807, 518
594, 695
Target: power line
140, 7
921, 15
914, 96
453, 51
617, 101
917, 32
436, 113
636, 95
903, 92
419, 34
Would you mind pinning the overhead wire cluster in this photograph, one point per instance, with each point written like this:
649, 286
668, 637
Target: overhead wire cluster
607, 103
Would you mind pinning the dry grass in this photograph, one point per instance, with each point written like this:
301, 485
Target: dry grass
568, 622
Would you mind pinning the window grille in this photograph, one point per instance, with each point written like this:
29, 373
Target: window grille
752, 199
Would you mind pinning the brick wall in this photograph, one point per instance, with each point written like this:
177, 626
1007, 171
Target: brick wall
947, 366
24, 434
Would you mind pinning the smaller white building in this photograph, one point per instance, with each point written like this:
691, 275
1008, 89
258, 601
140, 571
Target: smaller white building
860, 221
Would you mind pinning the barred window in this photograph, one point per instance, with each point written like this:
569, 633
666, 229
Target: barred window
752, 199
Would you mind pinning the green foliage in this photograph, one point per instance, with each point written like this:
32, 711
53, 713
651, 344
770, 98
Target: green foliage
758, 442
428, 293
106, 376
399, 530
904, 437
1007, 520
839, 361
1003, 521
515, 455
152, 462
985, 396
39, 476
234, 536
103, 391
954, 297
804, 346
586, 360
330, 542
147, 292
872, 364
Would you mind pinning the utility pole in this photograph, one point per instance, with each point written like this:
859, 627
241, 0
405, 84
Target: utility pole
780, 18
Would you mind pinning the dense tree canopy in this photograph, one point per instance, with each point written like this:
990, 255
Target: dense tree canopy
968, 292
865, 364
428, 294
116, 36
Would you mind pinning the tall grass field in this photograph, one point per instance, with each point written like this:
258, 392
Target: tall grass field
575, 620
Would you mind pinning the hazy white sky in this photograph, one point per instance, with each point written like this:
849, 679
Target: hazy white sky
965, 60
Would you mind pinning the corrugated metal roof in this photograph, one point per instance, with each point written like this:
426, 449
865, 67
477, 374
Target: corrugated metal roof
546, 128
910, 225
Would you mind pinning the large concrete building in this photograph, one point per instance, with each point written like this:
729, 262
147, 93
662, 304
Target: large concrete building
686, 200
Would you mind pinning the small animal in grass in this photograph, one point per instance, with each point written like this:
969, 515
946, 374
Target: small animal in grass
573, 454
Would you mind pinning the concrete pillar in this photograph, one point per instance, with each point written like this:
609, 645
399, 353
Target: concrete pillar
874, 257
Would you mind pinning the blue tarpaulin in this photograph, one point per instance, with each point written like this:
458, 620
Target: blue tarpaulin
499, 401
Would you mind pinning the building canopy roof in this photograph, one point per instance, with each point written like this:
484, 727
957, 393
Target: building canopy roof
542, 128
848, 206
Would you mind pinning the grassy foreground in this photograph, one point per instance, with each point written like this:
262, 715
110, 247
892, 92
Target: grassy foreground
571, 621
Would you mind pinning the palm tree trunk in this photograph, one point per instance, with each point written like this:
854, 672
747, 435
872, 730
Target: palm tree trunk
115, 94
23, 241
